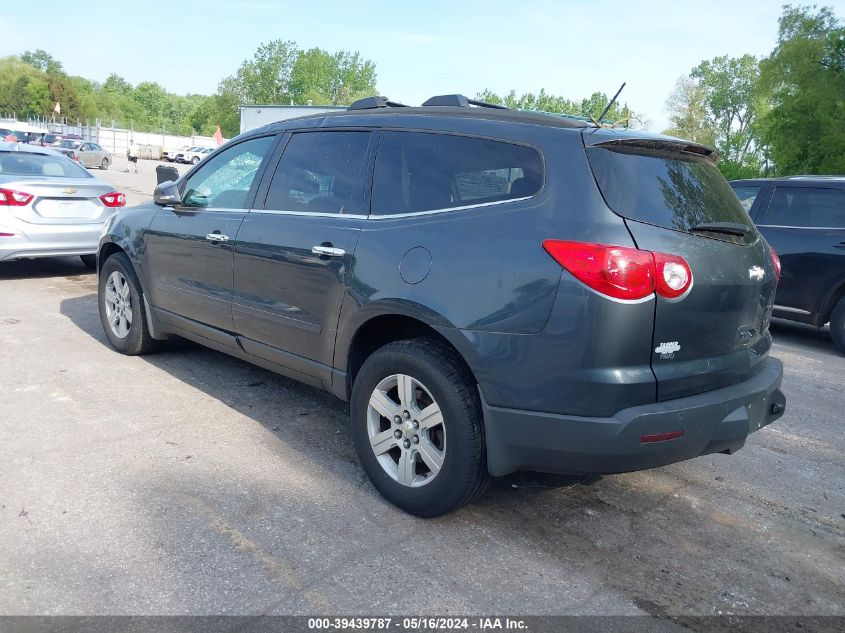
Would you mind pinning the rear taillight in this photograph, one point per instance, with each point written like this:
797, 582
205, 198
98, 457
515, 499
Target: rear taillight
10, 198
113, 199
74, 156
776, 262
616, 271
622, 272
672, 274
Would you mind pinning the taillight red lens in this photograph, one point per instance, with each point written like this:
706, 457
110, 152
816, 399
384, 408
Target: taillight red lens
11, 198
776, 262
113, 199
672, 275
622, 272
616, 271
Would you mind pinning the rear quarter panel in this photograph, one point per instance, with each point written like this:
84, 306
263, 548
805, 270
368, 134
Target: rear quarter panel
491, 288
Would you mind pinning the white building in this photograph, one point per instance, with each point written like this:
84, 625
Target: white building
253, 116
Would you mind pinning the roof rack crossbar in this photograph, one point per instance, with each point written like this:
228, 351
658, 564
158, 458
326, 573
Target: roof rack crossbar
460, 101
368, 103
485, 104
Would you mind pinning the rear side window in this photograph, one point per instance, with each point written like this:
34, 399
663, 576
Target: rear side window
419, 171
808, 207
746, 194
321, 172
667, 189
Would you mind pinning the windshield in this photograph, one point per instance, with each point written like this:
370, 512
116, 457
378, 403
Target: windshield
665, 188
26, 164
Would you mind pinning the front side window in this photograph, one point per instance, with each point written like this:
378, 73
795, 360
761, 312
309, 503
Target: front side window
810, 207
321, 172
224, 182
419, 171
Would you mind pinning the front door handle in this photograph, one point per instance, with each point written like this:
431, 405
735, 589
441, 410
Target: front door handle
840, 245
328, 251
217, 237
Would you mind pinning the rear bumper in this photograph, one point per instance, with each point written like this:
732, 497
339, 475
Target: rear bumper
49, 240
714, 421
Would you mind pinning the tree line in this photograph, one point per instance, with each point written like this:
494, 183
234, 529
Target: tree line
780, 115
279, 73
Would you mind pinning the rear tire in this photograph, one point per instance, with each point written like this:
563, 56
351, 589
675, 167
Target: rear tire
121, 303
89, 260
105, 164
195, 160
837, 325
424, 466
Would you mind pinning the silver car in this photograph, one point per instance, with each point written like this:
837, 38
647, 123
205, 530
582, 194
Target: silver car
49, 205
86, 153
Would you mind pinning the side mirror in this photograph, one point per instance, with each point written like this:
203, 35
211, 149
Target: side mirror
167, 194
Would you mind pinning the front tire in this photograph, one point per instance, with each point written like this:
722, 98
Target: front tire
837, 325
121, 303
417, 427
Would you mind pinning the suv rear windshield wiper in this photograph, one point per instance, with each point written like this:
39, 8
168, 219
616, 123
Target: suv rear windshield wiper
728, 228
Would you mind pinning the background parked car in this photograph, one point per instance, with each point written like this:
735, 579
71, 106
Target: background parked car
86, 153
50, 205
170, 155
194, 155
803, 218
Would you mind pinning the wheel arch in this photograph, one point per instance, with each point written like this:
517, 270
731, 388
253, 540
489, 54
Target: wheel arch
382, 328
833, 297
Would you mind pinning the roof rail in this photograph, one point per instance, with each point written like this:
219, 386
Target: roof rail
460, 101
368, 103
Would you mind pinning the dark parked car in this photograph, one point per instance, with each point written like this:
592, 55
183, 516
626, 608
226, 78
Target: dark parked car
803, 218
491, 290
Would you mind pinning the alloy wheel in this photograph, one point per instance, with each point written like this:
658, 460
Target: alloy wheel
406, 430
118, 302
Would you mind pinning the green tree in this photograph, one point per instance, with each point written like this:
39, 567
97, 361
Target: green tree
805, 81
23, 89
153, 100
62, 91
116, 83
544, 102
331, 79
687, 109
42, 60
266, 77
732, 102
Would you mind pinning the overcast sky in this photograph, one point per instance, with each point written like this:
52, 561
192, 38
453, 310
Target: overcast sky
420, 48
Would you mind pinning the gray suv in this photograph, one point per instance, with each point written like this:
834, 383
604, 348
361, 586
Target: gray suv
491, 290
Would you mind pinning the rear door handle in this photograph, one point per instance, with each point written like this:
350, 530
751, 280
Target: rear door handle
840, 245
328, 251
217, 237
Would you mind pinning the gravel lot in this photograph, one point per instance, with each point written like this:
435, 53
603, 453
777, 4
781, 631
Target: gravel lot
189, 482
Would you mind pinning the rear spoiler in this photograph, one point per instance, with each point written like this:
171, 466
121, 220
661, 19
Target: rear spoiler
667, 145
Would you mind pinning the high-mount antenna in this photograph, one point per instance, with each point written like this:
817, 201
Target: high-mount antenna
607, 107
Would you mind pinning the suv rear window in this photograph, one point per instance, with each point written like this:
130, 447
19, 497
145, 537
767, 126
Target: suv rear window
665, 188
420, 171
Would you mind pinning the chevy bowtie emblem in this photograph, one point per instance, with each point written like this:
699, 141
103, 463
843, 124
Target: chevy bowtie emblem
69, 190
756, 273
